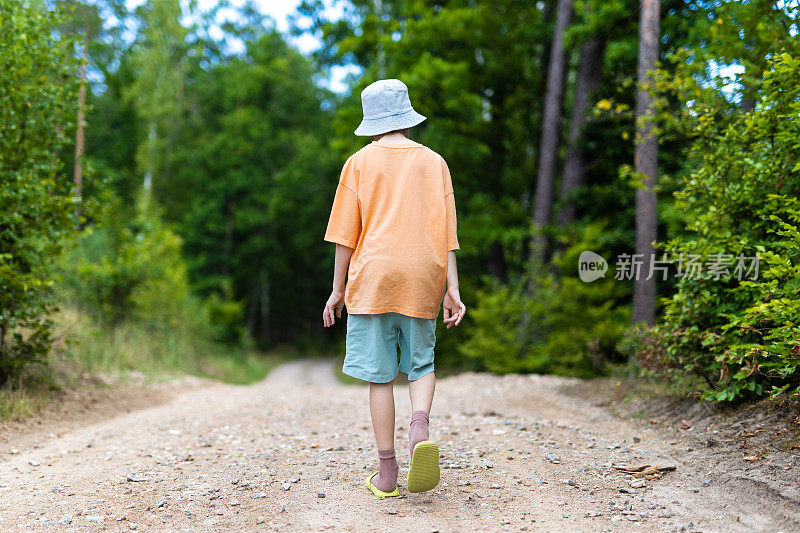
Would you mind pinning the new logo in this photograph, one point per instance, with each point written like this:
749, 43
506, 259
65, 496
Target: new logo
591, 266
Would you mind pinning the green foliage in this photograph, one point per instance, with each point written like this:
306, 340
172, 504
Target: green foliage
226, 317
549, 323
741, 338
130, 269
37, 101
742, 34
478, 69
159, 72
482, 94
242, 148
132, 345
236, 147
254, 156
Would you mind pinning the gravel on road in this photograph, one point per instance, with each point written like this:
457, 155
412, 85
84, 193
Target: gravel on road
291, 453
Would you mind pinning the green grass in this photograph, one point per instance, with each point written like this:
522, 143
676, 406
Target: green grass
97, 348
90, 354
20, 401
243, 369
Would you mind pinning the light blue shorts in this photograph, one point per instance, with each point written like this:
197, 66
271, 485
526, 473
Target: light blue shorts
372, 341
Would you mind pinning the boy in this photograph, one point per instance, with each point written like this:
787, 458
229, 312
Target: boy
394, 215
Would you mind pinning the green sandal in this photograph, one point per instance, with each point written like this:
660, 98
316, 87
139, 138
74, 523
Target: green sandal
378, 492
423, 474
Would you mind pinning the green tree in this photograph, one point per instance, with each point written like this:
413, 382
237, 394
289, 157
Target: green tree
38, 95
157, 88
113, 128
129, 268
592, 26
478, 70
741, 36
739, 332
83, 21
253, 154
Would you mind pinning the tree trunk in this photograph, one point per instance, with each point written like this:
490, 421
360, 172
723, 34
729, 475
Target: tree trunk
646, 164
548, 161
380, 52
265, 306
590, 72
252, 309
227, 249
748, 102
3, 354
497, 263
551, 120
547, 16
79, 134
152, 139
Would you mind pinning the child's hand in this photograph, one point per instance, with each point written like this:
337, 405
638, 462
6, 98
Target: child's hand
454, 309
335, 302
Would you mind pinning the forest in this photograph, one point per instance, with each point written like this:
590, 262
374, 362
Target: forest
167, 172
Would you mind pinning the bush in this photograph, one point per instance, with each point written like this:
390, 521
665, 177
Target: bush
227, 319
741, 338
129, 268
550, 324
38, 89
113, 351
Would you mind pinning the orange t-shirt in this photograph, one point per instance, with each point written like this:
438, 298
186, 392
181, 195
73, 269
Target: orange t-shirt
394, 206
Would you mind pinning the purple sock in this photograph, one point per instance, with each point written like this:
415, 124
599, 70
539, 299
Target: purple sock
386, 478
417, 430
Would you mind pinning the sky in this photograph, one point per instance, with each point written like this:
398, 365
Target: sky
280, 10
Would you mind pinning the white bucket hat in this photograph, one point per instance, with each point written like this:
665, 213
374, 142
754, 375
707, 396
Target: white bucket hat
386, 108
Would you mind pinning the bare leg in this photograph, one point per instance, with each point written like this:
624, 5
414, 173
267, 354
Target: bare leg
381, 407
421, 392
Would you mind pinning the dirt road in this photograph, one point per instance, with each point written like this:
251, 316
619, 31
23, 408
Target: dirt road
291, 454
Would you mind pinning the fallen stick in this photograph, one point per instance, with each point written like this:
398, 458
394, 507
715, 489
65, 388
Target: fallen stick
645, 470
630, 469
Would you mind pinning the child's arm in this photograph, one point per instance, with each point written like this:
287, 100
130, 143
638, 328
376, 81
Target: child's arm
454, 310
336, 299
